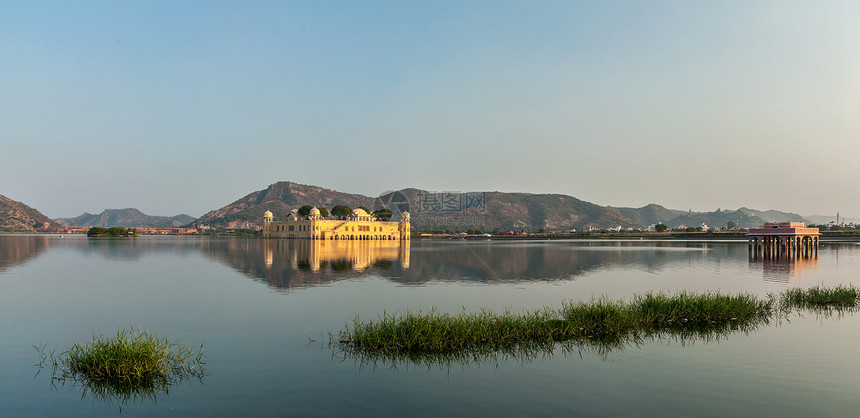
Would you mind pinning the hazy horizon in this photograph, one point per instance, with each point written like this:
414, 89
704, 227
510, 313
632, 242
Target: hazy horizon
842, 215
184, 107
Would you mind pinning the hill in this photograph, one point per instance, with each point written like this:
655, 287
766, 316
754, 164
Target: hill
16, 216
431, 211
487, 211
279, 198
650, 214
128, 218
743, 218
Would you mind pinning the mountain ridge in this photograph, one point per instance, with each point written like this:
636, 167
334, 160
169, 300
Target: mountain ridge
487, 211
128, 218
431, 211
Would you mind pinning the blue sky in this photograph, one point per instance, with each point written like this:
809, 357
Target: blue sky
184, 106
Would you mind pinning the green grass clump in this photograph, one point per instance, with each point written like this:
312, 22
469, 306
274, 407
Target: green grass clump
436, 331
600, 325
129, 356
132, 364
600, 321
839, 297
697, 310
599, 317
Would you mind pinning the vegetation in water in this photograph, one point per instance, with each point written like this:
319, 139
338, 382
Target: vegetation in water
839, 297
601, 324
601, 319
132, 365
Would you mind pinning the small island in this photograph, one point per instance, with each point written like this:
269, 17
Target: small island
115, 231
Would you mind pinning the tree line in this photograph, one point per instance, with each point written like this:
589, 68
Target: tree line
115, 231
342, 211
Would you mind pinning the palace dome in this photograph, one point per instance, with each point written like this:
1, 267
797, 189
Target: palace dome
359, 212
268, 214
314, 212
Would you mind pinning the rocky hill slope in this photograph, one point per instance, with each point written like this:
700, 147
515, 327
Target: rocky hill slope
487, 211
16, 216
279, 198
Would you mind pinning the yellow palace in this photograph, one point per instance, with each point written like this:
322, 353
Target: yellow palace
359, 225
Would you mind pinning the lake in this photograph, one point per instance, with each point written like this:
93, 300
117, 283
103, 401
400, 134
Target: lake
264, 311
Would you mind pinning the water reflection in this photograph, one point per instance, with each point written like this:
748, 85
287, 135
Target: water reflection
286, 263
298, 263
317, 255
500, 262
120, 395
785, 269
20, 249
290, 264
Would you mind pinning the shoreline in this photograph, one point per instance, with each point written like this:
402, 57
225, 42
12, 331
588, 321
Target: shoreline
635, 236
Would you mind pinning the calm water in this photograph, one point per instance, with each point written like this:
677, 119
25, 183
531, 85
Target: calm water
263, 310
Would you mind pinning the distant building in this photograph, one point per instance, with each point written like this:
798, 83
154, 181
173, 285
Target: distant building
358, 225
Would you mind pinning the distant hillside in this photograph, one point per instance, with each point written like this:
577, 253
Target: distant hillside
649, 215
279, 198
743, 218
825, 219
490, 211
129, 218
16, 216
487, 211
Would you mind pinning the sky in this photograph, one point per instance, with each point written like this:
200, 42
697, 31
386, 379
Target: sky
186, 106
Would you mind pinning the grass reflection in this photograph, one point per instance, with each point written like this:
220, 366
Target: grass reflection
600, 326
131, 367
527, 352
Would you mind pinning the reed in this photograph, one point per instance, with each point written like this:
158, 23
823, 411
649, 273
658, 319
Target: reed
817, 297
685, 310
607, 323
435, 331
131, 361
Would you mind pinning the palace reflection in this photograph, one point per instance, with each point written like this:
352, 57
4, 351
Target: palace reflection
317, 255
286, 263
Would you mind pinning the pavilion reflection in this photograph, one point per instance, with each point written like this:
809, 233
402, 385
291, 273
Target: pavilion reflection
784, 267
